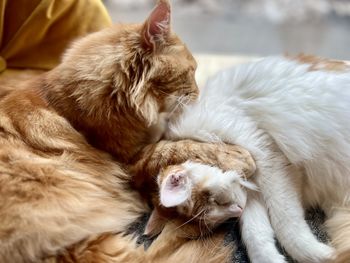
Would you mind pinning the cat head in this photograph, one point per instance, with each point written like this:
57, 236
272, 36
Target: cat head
141, 68
201, 193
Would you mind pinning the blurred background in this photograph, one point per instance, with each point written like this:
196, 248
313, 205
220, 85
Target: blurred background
252, 27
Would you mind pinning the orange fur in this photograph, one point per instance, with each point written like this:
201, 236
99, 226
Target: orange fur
59, 194
109, 91
56, 189
112, 87
339, 230
171, 246
317, 63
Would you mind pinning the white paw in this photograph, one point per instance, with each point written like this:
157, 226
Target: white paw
327, 254
312, 252
322, 253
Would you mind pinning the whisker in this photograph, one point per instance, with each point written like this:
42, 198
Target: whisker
191, 219
176, 107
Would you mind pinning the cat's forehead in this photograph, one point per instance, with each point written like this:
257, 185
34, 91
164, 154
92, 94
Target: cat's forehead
178, 48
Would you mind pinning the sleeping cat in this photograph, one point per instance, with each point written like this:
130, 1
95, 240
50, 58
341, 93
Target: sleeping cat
109, 91
194, 178
292, 114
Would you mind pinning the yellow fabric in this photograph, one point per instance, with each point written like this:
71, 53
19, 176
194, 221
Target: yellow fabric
34, 33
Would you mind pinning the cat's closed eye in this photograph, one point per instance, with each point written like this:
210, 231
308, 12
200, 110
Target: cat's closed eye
221, 203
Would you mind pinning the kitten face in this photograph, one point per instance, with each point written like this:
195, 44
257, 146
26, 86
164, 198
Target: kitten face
203, 192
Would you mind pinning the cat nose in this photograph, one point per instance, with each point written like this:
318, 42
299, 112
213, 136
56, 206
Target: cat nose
235, 210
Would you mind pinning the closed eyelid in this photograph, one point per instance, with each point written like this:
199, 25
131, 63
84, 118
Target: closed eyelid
222, 203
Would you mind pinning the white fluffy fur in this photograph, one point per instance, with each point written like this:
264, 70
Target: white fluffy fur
296, 124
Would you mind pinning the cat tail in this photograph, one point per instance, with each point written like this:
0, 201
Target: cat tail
339, 229
171, 246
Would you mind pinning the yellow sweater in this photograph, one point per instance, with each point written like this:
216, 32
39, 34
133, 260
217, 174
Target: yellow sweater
34, 33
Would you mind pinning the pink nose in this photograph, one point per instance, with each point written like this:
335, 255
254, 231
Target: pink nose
235, 210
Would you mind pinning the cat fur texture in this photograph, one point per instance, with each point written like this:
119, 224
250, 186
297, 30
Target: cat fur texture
292, 114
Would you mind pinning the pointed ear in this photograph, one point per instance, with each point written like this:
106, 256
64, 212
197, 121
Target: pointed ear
155, 224
175, 188
156, 28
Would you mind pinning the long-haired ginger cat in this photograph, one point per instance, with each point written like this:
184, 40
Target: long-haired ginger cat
109, 92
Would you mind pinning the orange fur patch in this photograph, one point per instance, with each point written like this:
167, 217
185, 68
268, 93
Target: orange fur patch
323, 64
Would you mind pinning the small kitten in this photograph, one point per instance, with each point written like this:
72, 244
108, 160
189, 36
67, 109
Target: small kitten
189, 186
292, 114
202, 192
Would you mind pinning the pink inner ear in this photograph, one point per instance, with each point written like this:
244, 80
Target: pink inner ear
175, 189
157, 26
159, 20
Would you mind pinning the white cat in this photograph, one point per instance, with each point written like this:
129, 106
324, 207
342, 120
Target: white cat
293, 116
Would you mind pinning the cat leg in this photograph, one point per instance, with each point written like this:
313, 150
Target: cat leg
257, 232
280, 191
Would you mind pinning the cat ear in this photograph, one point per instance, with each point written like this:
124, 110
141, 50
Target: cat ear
157, 26
155, 223
175, 188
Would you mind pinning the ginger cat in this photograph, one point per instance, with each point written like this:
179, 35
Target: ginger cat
108, 92
60, 187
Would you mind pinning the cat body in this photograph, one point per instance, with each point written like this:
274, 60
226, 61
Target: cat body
292, 115
59, 183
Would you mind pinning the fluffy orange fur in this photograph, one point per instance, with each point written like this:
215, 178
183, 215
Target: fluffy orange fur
112, 85
318, 63
109, 91
56, 189
171, 246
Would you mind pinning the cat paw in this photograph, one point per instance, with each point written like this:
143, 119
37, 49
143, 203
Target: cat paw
327, 254
323, 254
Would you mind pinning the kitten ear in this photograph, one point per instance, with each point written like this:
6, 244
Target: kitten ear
155, 223
175, 188
157, 26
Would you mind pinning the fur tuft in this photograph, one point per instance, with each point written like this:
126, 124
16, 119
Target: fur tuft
339, 229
